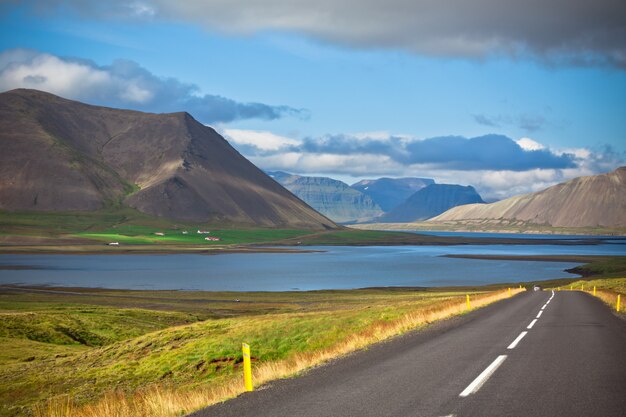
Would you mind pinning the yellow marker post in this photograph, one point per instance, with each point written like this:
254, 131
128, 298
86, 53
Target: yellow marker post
582, 287
509, 292
571, 287
594, 290
469, 307
619, 298
247, 368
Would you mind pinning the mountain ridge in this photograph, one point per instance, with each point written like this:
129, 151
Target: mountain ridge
333, 198
430, 201
588, 201
389, 193
63, 155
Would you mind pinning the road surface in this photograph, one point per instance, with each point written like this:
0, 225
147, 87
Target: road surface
537, 354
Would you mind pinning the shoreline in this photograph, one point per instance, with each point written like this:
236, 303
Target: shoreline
539, 258
468, 228
140, 250
290, 246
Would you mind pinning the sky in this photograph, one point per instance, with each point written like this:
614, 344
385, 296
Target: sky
507, 96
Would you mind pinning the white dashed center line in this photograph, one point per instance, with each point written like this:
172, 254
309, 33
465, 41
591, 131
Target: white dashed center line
486, 374
516, 341
483, 377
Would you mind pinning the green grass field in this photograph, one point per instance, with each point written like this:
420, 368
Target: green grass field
88, 343
129, 226
90, 232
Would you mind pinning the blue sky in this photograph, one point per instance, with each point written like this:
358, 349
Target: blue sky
273, 87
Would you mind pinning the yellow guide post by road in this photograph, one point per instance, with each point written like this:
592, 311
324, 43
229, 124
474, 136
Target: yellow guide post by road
247, 368
468, 302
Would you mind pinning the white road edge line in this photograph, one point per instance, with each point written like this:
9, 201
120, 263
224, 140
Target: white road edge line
516, 341
539, 314
532, 323
544, 306
483, 377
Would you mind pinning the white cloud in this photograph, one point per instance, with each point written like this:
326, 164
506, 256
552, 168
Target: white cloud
52, 74
125, 84
361, 156
328, 164
529, 144
263, 140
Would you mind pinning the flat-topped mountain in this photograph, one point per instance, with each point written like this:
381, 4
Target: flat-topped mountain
389, 193
431, 201
63, 155
334, 199
593, 201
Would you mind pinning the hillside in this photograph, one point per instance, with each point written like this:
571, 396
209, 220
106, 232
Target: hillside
593, 201
431, 201
389, 193
333, 198
62, 155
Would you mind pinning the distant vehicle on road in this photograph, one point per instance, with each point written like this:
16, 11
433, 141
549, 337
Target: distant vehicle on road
536, 288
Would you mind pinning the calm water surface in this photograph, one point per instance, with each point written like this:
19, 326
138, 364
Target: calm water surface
336, 268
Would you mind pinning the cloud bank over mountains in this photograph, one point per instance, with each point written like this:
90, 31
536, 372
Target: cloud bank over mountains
125, 84
496, 165
569, 32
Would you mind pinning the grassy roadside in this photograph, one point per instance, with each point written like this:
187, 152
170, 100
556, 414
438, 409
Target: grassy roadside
130, 353
607, 275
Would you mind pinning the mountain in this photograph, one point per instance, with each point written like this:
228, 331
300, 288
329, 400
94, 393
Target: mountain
593, 201
333, 198
389, 193
62, 155
431, 201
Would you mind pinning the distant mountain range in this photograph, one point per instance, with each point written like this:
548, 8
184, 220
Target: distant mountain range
431, 201
407, 199
593, 201
333, 198
62, 155
389, 193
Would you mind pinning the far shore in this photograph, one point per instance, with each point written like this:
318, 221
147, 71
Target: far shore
139, 250
296, 245
524, 229
541, 258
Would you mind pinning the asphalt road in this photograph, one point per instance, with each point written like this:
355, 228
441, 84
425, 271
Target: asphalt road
570, 362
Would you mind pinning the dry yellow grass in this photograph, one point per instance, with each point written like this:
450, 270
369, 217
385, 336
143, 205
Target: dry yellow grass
608, 297
607, 290
164, 401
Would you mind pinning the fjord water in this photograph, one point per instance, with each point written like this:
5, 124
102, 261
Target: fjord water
332, 268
